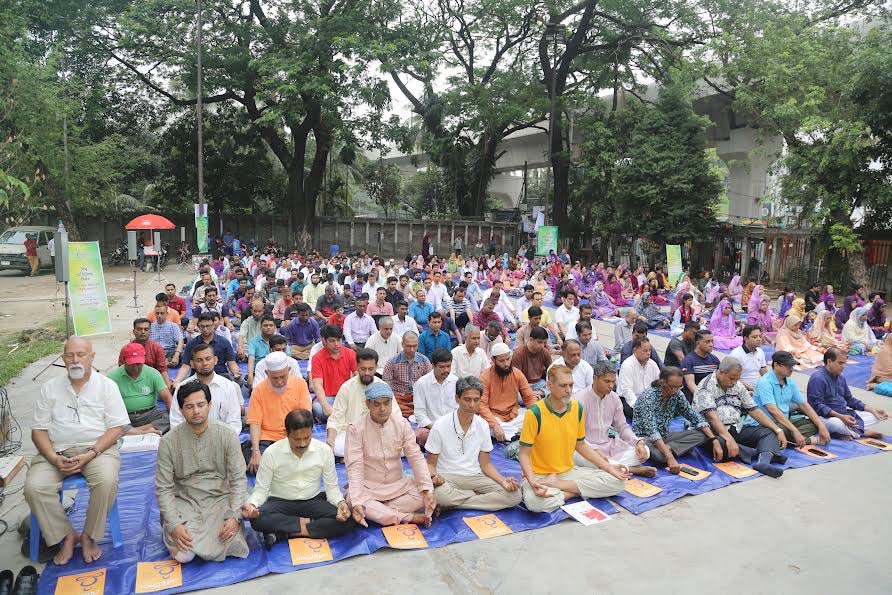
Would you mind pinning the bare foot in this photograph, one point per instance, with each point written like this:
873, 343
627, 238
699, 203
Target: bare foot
870, 385
419, 518
66, 550
871, 434
643, 471
91, 551
549, 480
845, 437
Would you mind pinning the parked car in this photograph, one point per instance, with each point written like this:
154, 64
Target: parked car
12, 247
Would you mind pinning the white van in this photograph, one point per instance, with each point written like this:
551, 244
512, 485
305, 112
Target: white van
12, 247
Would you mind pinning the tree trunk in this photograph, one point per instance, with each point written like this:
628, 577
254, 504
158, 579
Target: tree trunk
560, 167
316, 177
857, 269
63, 208
487, 148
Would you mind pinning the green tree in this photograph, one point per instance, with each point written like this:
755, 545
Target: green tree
298, 71
809, 79
383, 184
474, 62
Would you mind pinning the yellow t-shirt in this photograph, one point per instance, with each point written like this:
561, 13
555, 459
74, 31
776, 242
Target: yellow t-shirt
543, 322
552, 436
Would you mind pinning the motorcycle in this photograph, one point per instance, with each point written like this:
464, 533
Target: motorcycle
184, 254
162, 258
119, 256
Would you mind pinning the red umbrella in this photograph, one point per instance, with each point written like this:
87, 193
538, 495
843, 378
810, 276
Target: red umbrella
151, 222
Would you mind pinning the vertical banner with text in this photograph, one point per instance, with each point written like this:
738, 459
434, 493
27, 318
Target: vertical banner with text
86, 290
673, 263
201, 228
546, 240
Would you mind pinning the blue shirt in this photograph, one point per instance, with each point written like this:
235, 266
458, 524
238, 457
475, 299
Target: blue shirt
259, 348
421, 313
769, 391
301, 334
828, 393
222, 349
428, 341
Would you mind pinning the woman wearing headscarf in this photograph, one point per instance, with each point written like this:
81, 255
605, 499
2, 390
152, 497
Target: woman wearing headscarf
735, 290
786, 300
683, 314
852, 301
763, 317
876, 316
828, 304
600, 302
882, 367
822, 334
790, 338
657, 295
650, 312
755, 302
797, 309
724, 327
858, 334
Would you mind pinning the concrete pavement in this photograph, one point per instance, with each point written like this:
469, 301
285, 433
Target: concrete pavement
821, 529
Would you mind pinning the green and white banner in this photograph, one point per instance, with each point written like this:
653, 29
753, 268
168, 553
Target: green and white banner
673, 263
201, 228
546, 240
86, 290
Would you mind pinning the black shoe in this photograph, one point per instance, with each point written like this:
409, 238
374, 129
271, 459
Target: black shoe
269, 540
26, 583
778, 459
6, 580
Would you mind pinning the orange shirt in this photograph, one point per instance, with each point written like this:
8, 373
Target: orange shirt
269, 408
172, 315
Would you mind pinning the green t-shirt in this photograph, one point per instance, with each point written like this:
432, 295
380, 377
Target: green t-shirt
141, 393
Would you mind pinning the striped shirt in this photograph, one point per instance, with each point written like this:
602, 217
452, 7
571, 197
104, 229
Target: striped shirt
401, 374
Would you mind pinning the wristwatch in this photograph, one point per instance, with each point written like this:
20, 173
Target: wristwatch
713, 438
95, 450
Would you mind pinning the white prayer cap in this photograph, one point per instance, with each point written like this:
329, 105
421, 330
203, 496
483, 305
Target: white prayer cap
497, 349
275, 361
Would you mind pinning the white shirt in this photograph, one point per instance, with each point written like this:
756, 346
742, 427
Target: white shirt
260, 370
283, 474
569, 318
751, 362
358, 329
504, 301
583, 373
73, 419
226, 403
467, 364
434, 299
401, 326
633, 378
385, 349
458, 453
433, 400
316, 348
441, 292
370, 289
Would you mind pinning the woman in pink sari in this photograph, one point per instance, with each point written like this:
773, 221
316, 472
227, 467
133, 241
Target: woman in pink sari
614, 290
735, 289
724, 327
762, 317
790, 338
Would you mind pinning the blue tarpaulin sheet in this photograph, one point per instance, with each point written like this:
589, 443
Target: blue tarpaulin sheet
141, 527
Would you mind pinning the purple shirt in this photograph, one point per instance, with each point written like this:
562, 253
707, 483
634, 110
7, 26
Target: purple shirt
302, 334
828, 393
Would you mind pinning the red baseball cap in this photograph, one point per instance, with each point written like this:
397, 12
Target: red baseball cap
134, 353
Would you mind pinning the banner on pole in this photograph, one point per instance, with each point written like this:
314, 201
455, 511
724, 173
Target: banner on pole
546, 240
86, 290
201, 228
673, 263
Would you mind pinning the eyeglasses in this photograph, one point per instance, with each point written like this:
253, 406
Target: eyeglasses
457, 435
76, 414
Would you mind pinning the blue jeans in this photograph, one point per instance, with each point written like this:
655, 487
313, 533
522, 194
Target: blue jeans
538, 385
317, 410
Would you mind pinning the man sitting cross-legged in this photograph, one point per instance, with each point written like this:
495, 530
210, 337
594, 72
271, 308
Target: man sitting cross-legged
286, 501
603, 411
458, 450
200, 483
723, 400
553, 430
378, 489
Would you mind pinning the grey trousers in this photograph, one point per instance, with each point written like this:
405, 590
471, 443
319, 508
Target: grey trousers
680, 443
753, 441
158, 418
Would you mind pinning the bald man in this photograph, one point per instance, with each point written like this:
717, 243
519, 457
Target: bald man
78, 419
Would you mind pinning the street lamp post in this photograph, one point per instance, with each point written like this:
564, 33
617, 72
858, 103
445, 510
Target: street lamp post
554, 34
